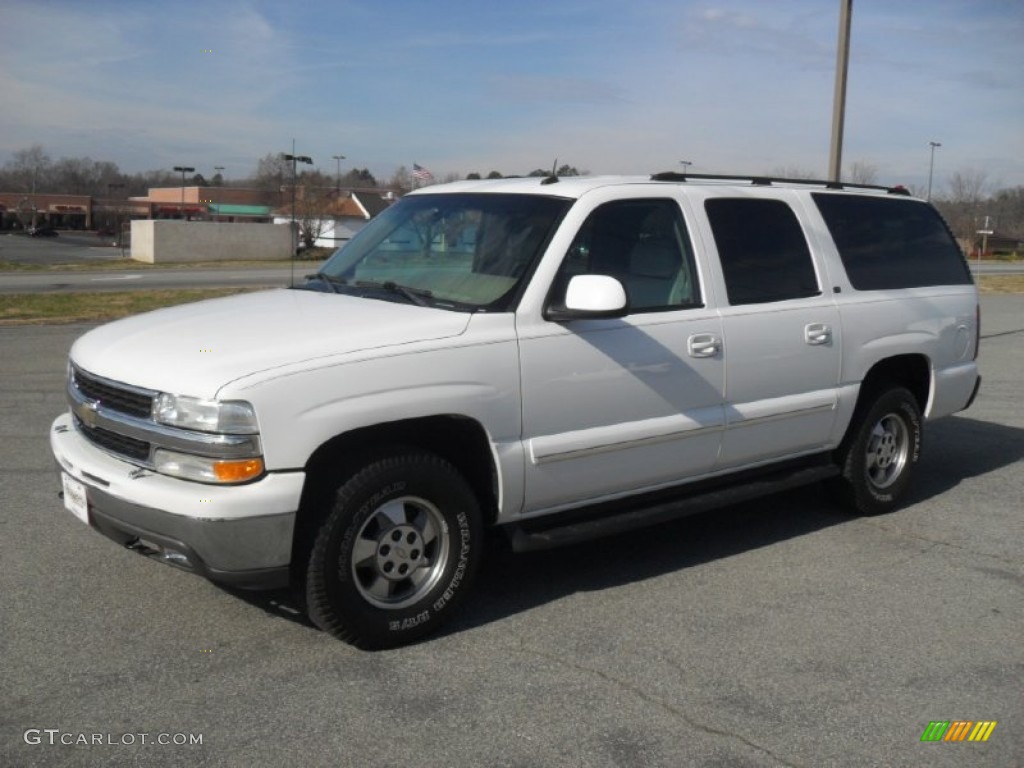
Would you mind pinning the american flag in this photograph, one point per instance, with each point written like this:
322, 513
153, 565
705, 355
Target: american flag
420, 173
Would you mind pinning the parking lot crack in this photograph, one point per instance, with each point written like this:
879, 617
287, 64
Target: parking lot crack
646, 696
893, 528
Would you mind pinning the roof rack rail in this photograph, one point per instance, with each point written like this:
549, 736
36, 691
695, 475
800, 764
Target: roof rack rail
767, 181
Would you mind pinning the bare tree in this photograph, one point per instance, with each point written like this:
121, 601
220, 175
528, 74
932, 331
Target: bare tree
28, 170
73, 175
401, 180
272, 172
963, 206
1007, 207
862, 172
312, 213
968, 185
917, 190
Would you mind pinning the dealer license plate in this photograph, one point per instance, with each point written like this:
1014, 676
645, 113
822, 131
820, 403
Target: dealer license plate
74, 498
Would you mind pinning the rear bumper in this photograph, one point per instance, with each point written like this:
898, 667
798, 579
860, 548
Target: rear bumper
974, 393
953, 389
236, 535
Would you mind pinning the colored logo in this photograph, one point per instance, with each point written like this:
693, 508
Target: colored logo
959, 730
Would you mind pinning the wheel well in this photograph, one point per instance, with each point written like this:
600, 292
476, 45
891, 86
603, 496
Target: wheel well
910, 371
457, 439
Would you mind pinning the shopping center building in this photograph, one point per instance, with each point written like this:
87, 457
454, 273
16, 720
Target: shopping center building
22, 210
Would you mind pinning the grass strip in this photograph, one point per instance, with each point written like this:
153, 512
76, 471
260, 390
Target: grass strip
117, 265
39, 308
1000, 283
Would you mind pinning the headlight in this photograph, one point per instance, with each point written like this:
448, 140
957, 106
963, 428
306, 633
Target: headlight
231, 417
204, 469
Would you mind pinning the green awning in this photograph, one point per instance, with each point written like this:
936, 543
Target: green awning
240, 210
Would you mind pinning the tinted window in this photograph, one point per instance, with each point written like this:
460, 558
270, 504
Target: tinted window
892, 243
762, 249
641, 243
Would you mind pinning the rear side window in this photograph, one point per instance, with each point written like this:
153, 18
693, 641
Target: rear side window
892, 243
762, 249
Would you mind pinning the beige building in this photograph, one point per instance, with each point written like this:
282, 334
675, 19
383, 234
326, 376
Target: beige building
210, 203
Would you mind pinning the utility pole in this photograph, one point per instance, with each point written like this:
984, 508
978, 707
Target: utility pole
931, 167
835, 162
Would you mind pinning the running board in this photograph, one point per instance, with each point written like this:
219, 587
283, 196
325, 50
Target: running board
539, 534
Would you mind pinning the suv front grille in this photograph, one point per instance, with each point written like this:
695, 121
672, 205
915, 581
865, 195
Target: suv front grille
121, 445
118, 419
115, 398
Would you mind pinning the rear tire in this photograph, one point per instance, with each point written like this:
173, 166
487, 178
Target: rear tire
396, 554
879, 453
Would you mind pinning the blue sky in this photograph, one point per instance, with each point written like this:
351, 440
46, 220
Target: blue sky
609, 87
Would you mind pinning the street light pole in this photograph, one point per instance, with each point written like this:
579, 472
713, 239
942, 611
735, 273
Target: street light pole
337, 185
183, 169
293, 159
686, 166
931, 167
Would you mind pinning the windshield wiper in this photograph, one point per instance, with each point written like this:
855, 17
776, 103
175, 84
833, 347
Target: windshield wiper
331, 281
413, 295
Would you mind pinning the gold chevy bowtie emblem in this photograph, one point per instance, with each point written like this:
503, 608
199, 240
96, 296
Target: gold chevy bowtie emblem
88, 414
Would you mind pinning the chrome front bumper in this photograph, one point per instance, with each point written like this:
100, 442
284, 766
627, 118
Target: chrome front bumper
237, 535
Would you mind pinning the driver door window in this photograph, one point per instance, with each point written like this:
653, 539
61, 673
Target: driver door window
641, 243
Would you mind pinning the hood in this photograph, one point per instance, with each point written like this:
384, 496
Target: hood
195, 349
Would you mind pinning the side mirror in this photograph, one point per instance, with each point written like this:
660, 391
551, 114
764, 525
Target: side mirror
591, 296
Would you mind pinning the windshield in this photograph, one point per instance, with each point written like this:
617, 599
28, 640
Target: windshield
459, 250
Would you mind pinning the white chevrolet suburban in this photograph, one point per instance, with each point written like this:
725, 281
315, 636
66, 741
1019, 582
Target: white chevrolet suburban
555, 359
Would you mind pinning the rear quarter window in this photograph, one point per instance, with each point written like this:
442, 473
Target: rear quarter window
892, 243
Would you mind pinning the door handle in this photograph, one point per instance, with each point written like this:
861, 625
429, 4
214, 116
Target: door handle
703, 345
817, 333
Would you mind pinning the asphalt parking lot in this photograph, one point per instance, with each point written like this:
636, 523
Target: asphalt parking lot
775, 633
67, 248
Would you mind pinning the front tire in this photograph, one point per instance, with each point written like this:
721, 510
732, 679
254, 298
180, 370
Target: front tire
878, 456
396, 553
